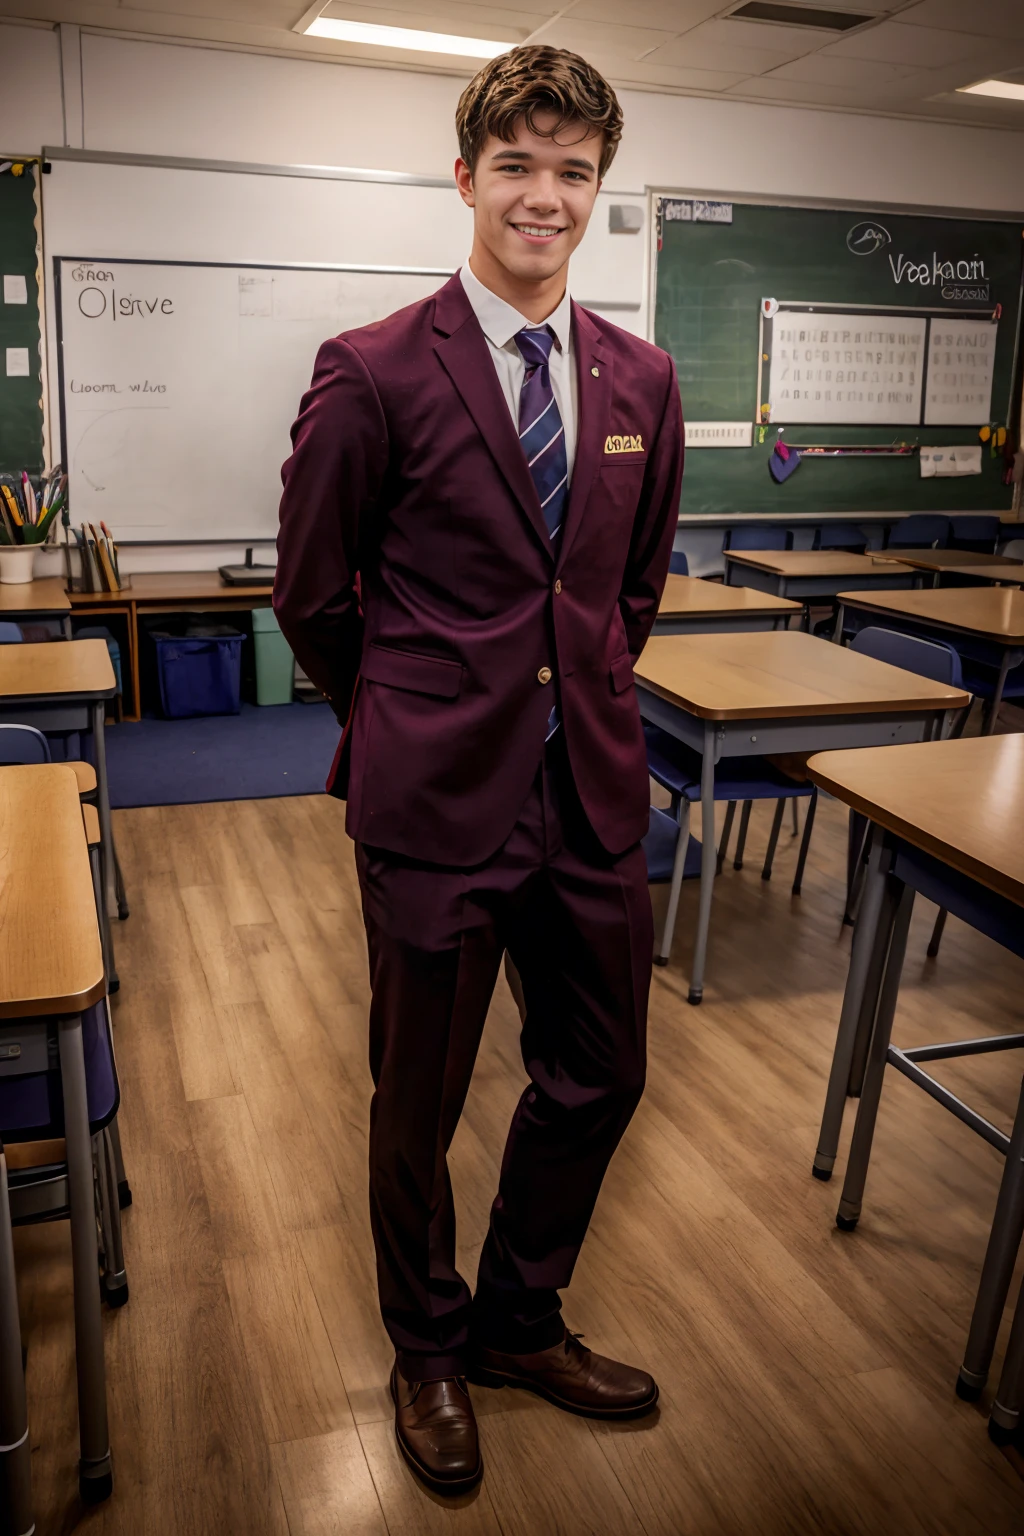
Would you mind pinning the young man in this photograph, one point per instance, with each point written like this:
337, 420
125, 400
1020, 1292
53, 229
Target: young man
500, 470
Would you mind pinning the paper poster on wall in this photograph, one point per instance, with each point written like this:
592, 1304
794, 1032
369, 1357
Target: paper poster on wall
856, 369
15, 288
961, 368
960, 459
17, 363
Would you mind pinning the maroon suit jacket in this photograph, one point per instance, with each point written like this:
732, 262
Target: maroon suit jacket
407, 470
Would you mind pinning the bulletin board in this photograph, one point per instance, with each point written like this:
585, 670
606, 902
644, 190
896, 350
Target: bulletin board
21, 358
744, 292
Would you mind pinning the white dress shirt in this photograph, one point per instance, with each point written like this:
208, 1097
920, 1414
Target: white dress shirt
499, 323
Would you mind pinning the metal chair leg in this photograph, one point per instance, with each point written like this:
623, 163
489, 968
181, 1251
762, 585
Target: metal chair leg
115, 1281
741, 841
119, 890
867, 1111
1006, 1409
796, 817
94, 1475
936, 938
15, 1450
855, 882
805, 841
124, 1189
103, 919
769, 858
997, 1270
723, 846
678, 866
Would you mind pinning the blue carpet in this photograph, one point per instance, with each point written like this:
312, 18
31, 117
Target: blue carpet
283, 749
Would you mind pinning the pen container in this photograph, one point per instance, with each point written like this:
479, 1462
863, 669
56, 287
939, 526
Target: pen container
17, 562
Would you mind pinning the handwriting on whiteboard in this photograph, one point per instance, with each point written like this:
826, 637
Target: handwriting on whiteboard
847, 368
961, 364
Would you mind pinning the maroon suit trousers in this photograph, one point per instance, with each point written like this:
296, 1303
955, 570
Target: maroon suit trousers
577, 923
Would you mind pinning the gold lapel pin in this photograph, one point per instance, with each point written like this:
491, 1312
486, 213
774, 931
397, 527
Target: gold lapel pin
596, 372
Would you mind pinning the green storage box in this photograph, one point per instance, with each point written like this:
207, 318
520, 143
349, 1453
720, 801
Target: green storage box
275, 664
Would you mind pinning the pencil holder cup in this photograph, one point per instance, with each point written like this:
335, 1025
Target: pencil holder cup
17, 562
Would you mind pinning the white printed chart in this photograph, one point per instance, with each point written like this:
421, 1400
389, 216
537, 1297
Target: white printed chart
961, 369
857, 369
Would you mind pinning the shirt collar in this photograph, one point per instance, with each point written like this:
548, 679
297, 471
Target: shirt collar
499, 321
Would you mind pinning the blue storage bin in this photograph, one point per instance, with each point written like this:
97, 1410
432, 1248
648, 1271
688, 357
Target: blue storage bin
200, 674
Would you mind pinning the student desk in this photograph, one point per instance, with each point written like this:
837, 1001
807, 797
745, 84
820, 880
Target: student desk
745, 695
985, 624
64, 688
690, 605
51, 967
960, 562
167, 592
812, 573
949, 822
42, 599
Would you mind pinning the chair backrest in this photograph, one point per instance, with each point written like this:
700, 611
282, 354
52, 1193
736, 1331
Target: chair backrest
928, 658
980, 533
843, 536
922, 531
1015, 549
23, 744
10, 634
762, 536
678, 564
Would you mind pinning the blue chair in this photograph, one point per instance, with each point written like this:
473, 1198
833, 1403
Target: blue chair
678, 565
922, 531
10, 634
975, 533
677, 768
846, 537
759, 536
928, 658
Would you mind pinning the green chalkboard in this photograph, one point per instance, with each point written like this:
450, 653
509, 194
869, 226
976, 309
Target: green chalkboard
710, 280
21, 404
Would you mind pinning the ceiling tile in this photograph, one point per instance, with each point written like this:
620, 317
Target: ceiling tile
806, 93
669, 15
763, 37
893, 43
825, 69
591, 38
443, 16
647, 72
989, 18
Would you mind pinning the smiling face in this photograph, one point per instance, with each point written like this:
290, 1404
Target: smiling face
531, 201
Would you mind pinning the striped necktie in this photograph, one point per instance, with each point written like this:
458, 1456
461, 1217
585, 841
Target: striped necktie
543, 438
540, 427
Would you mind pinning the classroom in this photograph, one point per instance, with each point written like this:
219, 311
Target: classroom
512, 768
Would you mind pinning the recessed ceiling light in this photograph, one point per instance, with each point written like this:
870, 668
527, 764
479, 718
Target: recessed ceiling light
1005, 88
404, 37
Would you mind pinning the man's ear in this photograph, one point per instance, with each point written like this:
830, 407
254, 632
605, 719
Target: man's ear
464, 182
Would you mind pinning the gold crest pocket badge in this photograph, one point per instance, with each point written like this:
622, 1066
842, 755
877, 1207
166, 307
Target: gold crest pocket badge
624, 444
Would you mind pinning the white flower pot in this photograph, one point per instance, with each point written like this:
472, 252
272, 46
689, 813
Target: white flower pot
17, 561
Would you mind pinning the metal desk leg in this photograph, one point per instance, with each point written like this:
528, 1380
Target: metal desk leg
678, 866
708, 859
867, 1111
997, 697
94, 1475
15, 1450
741, 841
854, 1000
102, 797
837, 633
1006, 1409
997, 1270
65, 626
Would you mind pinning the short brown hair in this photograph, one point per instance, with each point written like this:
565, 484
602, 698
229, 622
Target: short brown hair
517, 85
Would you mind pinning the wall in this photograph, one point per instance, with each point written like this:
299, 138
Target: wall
155, 98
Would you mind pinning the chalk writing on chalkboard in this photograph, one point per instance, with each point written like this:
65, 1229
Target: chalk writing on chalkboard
840, 368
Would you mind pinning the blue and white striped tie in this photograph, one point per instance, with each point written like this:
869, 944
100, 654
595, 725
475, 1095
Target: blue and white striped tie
543, 438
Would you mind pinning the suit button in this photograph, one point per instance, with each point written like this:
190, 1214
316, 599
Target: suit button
544, 675
558, 587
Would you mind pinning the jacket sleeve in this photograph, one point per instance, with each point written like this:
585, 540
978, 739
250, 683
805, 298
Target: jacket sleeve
331, 484
654, 526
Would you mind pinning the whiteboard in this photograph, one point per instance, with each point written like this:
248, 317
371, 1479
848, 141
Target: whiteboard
961, 368
180, 382
856, 369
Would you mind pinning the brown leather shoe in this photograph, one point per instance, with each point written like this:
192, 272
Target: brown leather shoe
572, 1377
436, 1431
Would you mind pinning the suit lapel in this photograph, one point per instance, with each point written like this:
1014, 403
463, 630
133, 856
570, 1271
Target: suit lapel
464, 356
593, 395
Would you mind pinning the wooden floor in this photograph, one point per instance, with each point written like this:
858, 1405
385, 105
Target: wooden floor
807, 1375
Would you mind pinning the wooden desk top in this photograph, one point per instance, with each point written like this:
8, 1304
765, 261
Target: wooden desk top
759, 676
170, 587
943, 559
987, 572
962, 800
46, 595
996, 613
814, 562
689, 596
50, 960
64, 666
